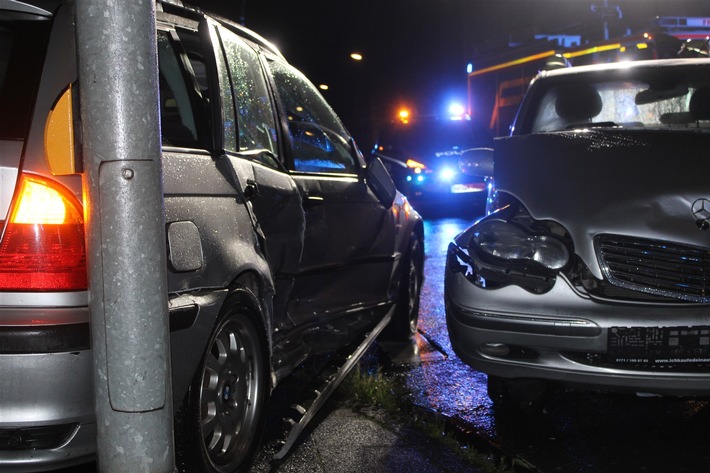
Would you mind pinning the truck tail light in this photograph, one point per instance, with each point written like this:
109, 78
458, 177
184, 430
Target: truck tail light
43, 246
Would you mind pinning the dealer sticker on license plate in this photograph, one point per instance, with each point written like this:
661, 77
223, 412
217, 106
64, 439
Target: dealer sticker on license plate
659, 345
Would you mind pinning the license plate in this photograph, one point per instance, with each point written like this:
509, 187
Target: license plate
659, 345
461, 188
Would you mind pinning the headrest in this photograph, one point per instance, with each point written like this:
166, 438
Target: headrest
699, 106
578, 103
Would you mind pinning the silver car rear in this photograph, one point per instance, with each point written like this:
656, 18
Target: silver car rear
45, 357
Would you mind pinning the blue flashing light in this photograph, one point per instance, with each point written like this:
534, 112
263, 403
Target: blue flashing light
469, 68
409, 178
456, 111
446, 174
420, 178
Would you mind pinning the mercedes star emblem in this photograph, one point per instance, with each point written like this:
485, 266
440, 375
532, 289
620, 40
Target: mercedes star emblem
701, 213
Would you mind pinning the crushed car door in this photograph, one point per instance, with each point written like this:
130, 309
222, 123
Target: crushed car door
251, 156
348, 254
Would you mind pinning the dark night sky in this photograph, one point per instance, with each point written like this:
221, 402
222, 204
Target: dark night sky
415, 51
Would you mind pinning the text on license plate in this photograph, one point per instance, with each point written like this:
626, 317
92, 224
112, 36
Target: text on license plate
659, 345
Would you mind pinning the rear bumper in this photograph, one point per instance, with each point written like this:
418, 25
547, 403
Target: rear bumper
80, 448
47, 411
47, 416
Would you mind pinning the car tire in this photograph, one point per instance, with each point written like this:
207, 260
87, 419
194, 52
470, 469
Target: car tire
226, 410
403, 325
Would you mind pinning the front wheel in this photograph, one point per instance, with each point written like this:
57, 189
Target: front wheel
403, 326
229, 395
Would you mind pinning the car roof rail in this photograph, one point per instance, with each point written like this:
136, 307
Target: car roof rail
186, 8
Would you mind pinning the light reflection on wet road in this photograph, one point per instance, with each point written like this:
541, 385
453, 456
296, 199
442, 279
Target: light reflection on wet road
579, 431
446, 385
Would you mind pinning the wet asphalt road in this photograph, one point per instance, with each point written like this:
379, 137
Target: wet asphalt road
577, 431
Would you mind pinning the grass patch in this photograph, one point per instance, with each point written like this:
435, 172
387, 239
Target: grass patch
368, 388
365, 389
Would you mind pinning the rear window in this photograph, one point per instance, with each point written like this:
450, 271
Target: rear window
22, 49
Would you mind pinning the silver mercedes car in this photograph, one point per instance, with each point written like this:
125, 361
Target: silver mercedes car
594, 269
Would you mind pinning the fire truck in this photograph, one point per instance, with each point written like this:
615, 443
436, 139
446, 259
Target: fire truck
496, 83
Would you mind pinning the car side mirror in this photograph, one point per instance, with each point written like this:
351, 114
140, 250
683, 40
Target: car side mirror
477, 162
379, 180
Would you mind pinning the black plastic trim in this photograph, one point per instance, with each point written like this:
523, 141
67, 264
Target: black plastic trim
45, 338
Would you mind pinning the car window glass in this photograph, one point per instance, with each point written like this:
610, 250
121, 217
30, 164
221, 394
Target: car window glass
177, 118
320, 142
256, 125
229, 131
195, 55
22, 47
613, 103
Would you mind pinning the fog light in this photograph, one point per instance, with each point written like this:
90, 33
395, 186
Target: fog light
494, 349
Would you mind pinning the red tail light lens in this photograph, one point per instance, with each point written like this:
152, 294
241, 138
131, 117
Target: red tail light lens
43, 247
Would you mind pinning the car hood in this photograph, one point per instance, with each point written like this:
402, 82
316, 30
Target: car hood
635, 183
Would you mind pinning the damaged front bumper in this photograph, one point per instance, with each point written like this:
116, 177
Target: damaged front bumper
570, 337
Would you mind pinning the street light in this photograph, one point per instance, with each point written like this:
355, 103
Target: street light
403, 115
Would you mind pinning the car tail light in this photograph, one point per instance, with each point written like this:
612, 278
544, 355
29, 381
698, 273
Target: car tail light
43, 246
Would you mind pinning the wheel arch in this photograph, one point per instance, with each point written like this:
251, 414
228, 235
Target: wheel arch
241, 303
256, 292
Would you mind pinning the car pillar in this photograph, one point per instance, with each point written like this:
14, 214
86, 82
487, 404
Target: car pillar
118, 92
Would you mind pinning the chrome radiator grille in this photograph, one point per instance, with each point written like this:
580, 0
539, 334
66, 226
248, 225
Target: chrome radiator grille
656, 267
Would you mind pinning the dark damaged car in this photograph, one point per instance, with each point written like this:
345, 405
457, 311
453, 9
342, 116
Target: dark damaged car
595, 269
282, 243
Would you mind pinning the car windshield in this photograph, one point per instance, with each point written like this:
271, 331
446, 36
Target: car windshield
432, 138
22, 45
659, 99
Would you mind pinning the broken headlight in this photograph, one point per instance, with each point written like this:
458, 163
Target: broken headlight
506, 252
511, 242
